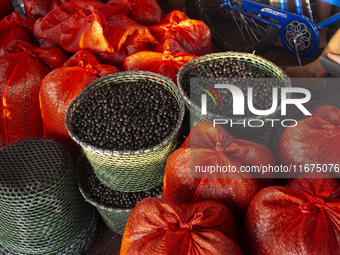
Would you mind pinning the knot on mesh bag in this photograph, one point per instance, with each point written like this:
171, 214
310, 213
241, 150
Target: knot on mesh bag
126, 170
113, 206
232, 67
42, 211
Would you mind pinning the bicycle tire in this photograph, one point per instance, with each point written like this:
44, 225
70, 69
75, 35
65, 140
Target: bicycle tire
223, 23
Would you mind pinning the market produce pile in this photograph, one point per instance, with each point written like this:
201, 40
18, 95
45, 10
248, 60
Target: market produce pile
128, 116
83, 73
71, 44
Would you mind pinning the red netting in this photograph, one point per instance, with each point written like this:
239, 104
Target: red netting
315, 140
165, 63
209, 146
40, 8
78, 25
6, 8
193, 35
170, 45
301, 218
144, 12
21, 74
126, 37
50, 56
60, 87
13, 27
157, 226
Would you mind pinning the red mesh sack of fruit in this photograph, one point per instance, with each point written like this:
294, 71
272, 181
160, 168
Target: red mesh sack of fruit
193, 35
208, 146
21, 71
13, 27
165, 63
158, 226
6, 8
126, 37
315, 140
60, 87
77, 25
40, 8
144, 12
300, 218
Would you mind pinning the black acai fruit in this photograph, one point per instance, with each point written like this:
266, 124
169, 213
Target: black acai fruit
240, 73
126, 116
107, 197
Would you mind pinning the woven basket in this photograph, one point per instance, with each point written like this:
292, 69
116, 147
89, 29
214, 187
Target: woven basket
259, 134
114, 218
42, 211
129, 171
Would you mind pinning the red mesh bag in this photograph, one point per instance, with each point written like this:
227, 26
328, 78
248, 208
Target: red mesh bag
126, 37
170, 45
6, 8
13, 27
166, 63
315, 140
300, 218
50, 56
77, 25
60, 87
144, 12
210, 146
157, 226
21, 71
40, 8
193, 35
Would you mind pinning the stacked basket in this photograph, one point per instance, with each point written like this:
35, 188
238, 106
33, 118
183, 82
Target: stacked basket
265, 135
127, 170
42, 211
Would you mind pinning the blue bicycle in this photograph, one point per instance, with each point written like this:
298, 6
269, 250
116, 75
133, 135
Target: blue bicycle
255, 25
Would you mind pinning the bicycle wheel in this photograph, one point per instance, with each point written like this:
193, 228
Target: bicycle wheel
233, 31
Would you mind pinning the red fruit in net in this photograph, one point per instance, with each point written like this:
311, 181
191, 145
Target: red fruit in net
6, 8
144, 12
126, 37
21, 73
158, 226
77, 25
211, 146
315, 140
166, 63
40, 8
60, 87
300, 218
13, 27
193, 35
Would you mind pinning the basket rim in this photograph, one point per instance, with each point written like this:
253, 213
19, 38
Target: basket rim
220, 55
142, 74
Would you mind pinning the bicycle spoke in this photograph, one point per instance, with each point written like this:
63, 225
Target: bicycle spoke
252, 32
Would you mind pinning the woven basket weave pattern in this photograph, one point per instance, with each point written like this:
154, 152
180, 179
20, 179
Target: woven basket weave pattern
41, 210
129, 171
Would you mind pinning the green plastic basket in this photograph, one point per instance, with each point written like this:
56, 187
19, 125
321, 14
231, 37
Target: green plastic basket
259, 134
114, 218
41, 209
129, 171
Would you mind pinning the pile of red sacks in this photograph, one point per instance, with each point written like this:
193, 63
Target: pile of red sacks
48, 58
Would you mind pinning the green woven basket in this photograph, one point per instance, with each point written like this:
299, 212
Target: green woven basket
260, 135
41, 209
114, 218
129, 171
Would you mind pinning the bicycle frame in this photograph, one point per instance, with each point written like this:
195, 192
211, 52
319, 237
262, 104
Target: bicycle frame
285, 18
